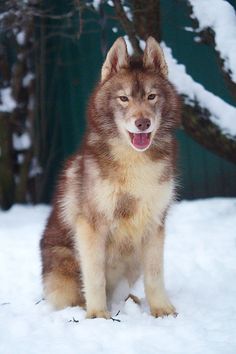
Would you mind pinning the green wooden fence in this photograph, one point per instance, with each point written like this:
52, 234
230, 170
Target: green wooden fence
69, 68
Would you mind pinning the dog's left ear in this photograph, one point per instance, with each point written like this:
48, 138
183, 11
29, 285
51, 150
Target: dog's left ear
117, 58
153, 57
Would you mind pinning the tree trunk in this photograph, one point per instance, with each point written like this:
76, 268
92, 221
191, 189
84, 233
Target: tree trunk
147, 18
7, 183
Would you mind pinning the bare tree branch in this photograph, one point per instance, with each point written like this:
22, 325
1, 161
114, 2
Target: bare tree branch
197, 124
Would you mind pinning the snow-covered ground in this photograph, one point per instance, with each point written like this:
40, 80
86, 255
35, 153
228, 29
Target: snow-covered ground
200, 278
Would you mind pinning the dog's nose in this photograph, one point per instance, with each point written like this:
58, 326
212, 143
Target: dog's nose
143, 123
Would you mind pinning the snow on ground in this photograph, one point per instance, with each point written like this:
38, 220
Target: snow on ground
219, 15
200, 276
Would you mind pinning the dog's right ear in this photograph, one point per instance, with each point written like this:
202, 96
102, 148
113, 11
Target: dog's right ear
117, 58
153, 57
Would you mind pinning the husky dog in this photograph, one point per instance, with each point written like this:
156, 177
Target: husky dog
109, 209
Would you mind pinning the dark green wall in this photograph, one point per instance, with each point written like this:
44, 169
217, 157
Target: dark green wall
71, 68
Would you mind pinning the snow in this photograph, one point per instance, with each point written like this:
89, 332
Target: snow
189, 29
21, 142
20, 158
129, 45
200, 265
219, 15
2, 15
221, 113
27, 79
20, 37
35, 168
128, 12
96, 4
7, 102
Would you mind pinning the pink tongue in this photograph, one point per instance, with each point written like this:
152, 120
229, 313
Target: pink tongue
140, 140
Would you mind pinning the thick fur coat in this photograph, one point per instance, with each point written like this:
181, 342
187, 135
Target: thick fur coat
109, 209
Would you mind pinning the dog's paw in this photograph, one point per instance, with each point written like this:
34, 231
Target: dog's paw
98, 314
163, 311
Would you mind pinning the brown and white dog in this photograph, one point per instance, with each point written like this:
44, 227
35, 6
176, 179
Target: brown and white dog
108, 215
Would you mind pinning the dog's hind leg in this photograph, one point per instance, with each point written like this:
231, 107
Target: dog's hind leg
61, 278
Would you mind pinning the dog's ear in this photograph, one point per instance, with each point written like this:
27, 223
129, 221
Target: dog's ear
153, 57
117, 58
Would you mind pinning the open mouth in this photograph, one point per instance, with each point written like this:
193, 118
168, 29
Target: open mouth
140, 140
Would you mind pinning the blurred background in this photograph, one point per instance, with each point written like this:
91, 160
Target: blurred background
51, 53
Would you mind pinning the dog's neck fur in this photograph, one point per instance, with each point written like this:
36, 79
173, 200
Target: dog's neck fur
113, 153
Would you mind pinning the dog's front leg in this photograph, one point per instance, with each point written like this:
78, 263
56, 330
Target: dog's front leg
153, 273
91, 247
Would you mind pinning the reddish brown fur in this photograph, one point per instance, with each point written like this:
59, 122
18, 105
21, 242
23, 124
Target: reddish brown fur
58, 250
126, 206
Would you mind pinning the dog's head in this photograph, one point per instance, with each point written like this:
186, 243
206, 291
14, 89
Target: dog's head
134, 98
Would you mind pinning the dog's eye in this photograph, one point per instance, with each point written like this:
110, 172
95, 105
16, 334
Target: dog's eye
152, 96
124, 98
